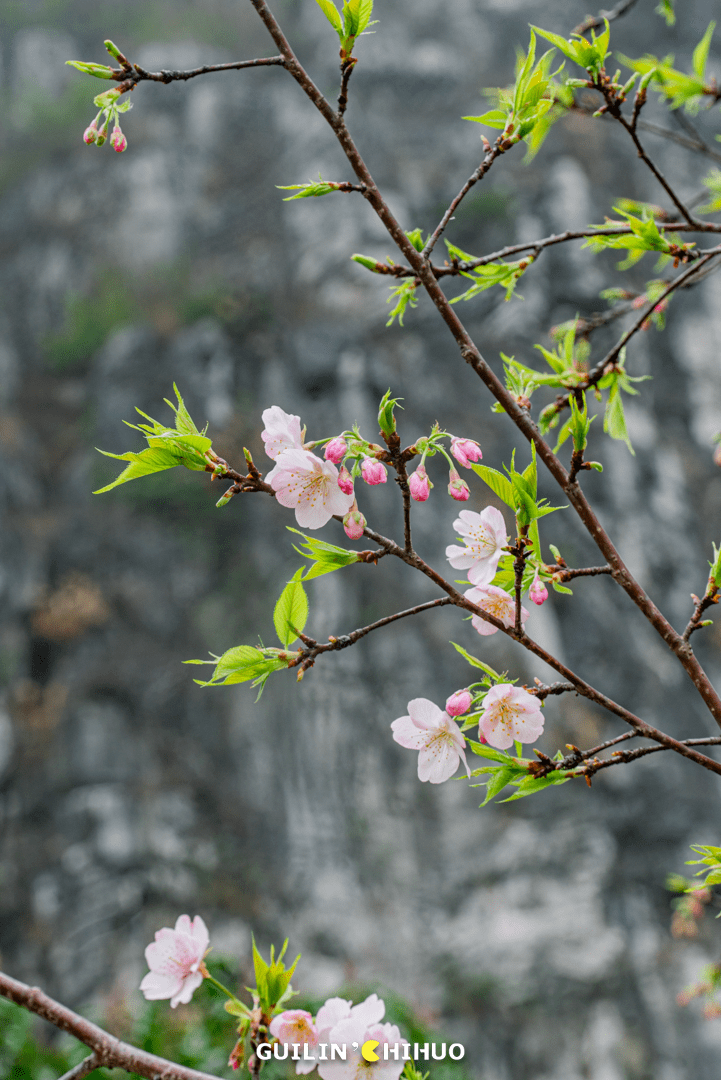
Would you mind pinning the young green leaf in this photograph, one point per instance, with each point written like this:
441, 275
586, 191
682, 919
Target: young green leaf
291, 611
332, 15
326, 557
474, 662
497, 482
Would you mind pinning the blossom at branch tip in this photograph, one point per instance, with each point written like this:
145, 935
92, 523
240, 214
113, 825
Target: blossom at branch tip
297, 1026
431, 731
496, 602
175, 960
420, 484
510, 714
345, 481
304, 483
465, 451
354, 523
282, 432
538, 592
458, 489
459, 703
118, 140
336, 450
485, 536
356, 1025
373, 471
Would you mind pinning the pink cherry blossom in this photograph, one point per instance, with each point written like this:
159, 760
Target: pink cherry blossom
345, 481
485, 536
458, 489
336, 450
175, 960
510, 714
282, 432
118, 140
354, 523
431, 731
296, 1026
538, 592
373, 471
309, 486
459, 703
356, 1024
496, 602
465, 451
419, 484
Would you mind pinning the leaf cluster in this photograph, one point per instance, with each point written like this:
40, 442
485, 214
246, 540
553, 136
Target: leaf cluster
644, 236
325, 557
676, 86
587, 54
710, 863
507, 771
349, 23
312, 190
485, 277
272, 979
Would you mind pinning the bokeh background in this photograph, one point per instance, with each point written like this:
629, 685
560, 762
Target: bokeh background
535, 932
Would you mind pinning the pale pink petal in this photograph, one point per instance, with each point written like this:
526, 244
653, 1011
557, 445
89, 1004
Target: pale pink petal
335, 1009
183, 925
409, 735
460, 558
302, 1067
425, 714
312, 515
370, 1011
483, 573
438, 761
485, 629
189, 986
157, 987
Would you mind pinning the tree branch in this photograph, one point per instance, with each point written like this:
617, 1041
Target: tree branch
82, 1069
107, 1050
595, 22
473, 179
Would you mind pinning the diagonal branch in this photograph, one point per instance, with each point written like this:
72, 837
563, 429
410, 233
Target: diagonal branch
83, 1068
595, 22
107, 1050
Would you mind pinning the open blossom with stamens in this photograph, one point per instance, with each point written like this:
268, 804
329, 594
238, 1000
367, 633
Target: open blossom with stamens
175, 960
340, 1023
336, 450
496, 602
485, 537
510, 714
538, 592
373, 471
458, 489
431, 731
297, 1026
420, 484
465, 451
282, 432
309, 486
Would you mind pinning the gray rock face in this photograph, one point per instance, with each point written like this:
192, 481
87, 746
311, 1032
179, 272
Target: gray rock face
127, 793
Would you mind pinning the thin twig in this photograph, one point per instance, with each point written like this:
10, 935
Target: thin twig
701, 605
690, 144
473, 179
568, 574
542, 692
130, 77
346, 71
595, 22
82, 1069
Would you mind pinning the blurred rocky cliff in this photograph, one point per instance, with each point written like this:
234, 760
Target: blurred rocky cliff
539, 932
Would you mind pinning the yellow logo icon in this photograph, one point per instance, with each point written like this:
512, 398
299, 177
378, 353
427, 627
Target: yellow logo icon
368, 1048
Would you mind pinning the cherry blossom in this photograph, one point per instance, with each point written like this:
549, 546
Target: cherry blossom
297, 1026
309, 486
465, 451
336, 450
431, 731
485, 536
510, 714
345, 481
373, 471
459, 703
175, 960
458, 489
356, 1024
538, 592
354, 523
282, 432
419, 484
496, 602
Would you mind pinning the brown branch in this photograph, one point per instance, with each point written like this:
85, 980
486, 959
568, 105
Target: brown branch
542, 692
346, 69
690, 144
82, 1069
107, 1050
568, 574
710, 598
130, 77
595, 22
479, 173
623, 757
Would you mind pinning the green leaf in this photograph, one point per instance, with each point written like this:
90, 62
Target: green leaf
614, 419
532, 784
291, 611
326, 557
566, 47
501, 778
405, 296
243, 663
100, 71
332, 15
700, 53
312, 190
273, 979
497, 482
495, 119
142, 464
474, 662
665, 8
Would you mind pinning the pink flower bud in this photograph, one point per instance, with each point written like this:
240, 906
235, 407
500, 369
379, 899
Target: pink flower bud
420, 485
373, 471
465, 451
538, 592
118, 140
354, 523
91, 133
345, 481
102, 135
336, 450
458, 489
459, 703
717, 454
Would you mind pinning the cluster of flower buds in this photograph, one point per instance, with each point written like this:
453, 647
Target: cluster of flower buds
97, 135
465, 451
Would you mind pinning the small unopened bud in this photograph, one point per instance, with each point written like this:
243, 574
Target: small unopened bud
465, 451
420, 484
225, 499
717, 454
118, 140
538, 592
345, 481
373, 471
354, 523
336, 450
458, 489
90, 134
102, 135
459, 703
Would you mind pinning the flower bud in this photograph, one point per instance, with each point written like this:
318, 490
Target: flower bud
91, 133
465, 451
345, 481
373, 471
118, 140
459, 703
458, 489
717, 454
102, 135
419, 484
354, 523
538, 592
336, 450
